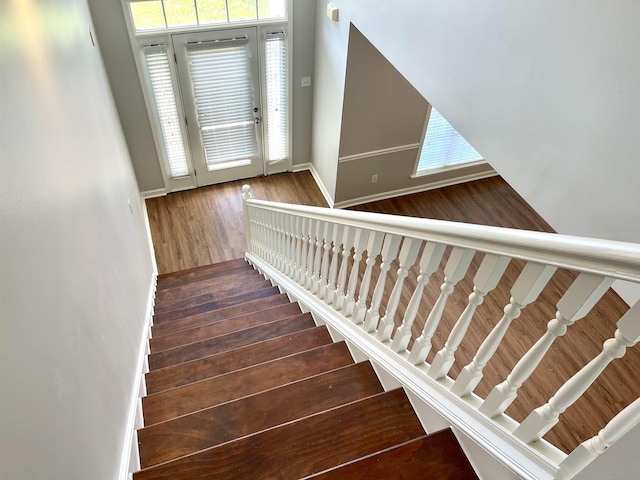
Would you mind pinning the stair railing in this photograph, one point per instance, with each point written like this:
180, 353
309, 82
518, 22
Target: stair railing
319, 256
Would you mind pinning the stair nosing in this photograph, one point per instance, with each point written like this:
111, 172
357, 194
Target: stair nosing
241, 369
220, 321
307, 314
324, 412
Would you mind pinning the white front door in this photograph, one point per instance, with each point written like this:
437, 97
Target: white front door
219, 83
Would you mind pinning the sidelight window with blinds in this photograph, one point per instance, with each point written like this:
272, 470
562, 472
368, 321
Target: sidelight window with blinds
443, 146
162, 92
275, 66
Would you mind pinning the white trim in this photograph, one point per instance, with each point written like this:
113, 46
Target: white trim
130, 446
147, 226
417, 189
538, 461
316, 176
375, 153
158, 192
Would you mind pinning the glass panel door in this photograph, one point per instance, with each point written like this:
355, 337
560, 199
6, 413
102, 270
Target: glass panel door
219, 82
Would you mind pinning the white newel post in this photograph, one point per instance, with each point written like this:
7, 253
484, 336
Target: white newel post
591, 449
525, 290
486, 279
359, 309
407, 257
389, 252
543, 418
429, 263
246, 195
577, 301
454, 271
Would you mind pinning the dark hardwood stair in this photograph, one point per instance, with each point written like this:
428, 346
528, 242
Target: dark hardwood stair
242, 384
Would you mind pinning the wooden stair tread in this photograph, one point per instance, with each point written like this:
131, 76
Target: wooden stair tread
206, 428
214, 365
181, 277
229, 341
230, 289
215, 305
218, 315
190, 398
168, 295
437, 456
305, 446
223, 327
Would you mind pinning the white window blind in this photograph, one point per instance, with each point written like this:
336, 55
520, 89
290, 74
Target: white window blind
443, 146
164, 99
276, 96
221, 80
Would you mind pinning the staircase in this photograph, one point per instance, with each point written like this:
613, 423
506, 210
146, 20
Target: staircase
242, 384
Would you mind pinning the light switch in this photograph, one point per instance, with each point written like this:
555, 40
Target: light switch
305, 82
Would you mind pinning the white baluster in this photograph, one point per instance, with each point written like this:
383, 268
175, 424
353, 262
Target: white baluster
311, 229
359, 309
389, 252
525, 290
335, 258
315, 278
486, 279
347, 244
282, 241
454, 271
304, 243
327, 235
407, 257
590, 449
543, 418
359, 244
577, 301
429, 263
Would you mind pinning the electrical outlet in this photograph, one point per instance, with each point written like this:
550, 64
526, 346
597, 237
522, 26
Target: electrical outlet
305, 82
374, 178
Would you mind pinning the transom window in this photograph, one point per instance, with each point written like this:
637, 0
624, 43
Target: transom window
166, 14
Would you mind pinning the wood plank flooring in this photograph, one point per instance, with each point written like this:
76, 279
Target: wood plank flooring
204, 226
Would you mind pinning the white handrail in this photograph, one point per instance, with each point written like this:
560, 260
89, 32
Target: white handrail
618, 260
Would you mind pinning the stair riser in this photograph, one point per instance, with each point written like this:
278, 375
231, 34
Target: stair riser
306, 446
218, 293
218, 315
216, 305
230, 341
225, 388
209, 367
205, 429
223, 327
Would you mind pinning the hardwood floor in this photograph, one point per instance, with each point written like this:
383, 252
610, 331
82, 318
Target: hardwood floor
204, 226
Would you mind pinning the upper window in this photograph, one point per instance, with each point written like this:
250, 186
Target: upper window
164, 14
443, 146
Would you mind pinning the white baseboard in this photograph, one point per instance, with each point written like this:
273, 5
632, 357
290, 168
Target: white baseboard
323, 189
159, 192
416, 189
129, 461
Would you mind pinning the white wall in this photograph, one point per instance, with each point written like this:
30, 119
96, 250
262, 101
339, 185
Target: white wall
75, 265
546, 91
